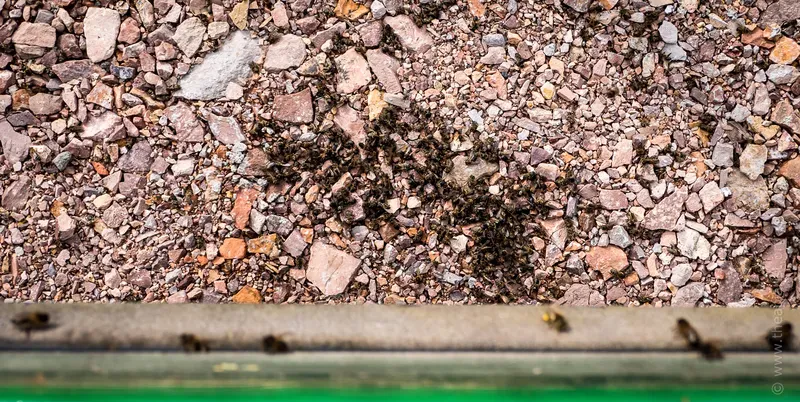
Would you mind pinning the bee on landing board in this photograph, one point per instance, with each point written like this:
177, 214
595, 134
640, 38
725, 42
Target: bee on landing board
32, 321
272, 344
781, 337
555, 321
708, 350
193, 344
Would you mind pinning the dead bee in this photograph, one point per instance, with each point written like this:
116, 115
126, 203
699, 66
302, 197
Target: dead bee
781, 338
272, 344
193, 344
555, 321
688, 333
32, 321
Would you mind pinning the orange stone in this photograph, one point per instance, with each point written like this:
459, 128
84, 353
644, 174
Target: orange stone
608, 4
100, 169
791, 171
242, 206
201, 259
606, 259
766, 295
308, 234
476, 8
756, 38
57, 208
785, 52
699, 164
349, 9
262, 245
247, 295
233, 248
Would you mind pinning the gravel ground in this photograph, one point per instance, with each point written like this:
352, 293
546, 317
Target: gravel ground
575, 152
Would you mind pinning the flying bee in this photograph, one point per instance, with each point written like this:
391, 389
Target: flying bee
193, 344
555, 321
781, 338
272, 344
32, 321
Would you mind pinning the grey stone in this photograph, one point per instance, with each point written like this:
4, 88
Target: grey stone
752, 160
681, 274
187, 127
378, 9
140, 277
15, 145
581, 295
494, 39
331, 269
287, 52
45, 104
674, 52
173, 276
775, 258
494, 55
295, 244
668, 32
225, 129
618, 236
137, 159
106, 127
462, 171
694, 245
62, 160
352, 72
740, 113
688, 295
782, 74
761, 101
189, 35
101, 27
580, 6
666, 213
750, 195
15, 196
183, 167
34, 34
722, 155
65, 226
115, 215
410, 36
781, 11
231, 62
730, 287
385, 68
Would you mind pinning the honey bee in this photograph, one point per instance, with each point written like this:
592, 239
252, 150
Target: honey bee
272, 344
555, 321
780, 338
708, 350
32, 321
193, 344
688, 333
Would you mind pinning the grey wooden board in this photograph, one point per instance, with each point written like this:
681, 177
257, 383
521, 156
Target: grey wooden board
388, 369
374, 327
